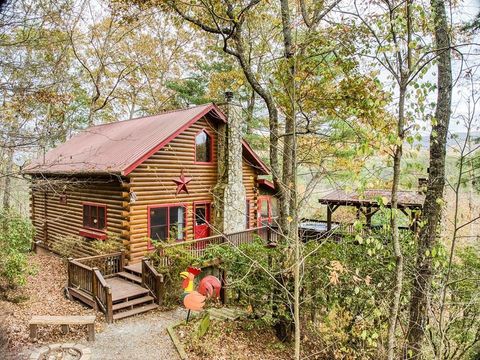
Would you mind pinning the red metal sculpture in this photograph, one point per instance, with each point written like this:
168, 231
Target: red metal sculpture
209, 287
182, 183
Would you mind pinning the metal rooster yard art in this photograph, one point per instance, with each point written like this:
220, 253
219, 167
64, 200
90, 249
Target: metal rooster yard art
209, 287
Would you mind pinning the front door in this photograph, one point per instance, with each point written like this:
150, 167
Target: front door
202, 220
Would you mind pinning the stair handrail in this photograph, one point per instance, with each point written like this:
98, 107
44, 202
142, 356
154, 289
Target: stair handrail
152, 280
102, 294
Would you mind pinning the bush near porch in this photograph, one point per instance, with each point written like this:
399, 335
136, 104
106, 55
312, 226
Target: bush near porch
16, 234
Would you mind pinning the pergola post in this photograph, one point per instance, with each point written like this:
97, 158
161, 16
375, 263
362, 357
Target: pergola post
329, 217
330, 210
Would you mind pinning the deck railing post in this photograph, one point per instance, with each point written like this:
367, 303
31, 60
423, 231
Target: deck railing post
69, 271
94, 284
144, 271
109, 305
158, 284
122, 260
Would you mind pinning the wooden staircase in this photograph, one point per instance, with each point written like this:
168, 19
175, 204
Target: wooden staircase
131, 298
119, 291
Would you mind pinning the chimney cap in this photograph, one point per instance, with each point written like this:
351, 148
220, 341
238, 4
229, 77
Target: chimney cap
228, 95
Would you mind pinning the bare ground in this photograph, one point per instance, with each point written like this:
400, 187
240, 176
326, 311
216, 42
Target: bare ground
140, 337
232, 341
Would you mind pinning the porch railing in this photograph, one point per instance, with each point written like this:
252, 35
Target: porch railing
88, 274
80, 276
196, 248
152, 280
108, 264
102, 294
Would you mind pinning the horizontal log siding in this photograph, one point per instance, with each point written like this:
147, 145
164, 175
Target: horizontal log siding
153, 185
54, 221
250, 181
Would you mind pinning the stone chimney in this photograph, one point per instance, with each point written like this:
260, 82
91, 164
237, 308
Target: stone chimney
229, 193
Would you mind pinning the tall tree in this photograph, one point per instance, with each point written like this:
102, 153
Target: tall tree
436, 182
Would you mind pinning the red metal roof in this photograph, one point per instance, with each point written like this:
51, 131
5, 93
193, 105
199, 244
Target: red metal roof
119, 147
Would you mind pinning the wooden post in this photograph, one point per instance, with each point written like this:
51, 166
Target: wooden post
158, 285
223, 290
94, 284
368, 216
69, 272
33, 332
122, 260
161, 292
144, 270
329, 217
109, 305
91, 332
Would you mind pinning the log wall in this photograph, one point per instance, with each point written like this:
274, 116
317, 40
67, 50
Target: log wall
55, 221
153, 185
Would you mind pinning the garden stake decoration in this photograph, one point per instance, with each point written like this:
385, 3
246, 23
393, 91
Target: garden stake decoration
209, 287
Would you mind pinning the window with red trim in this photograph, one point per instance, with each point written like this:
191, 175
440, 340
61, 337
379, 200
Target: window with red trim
95, 216
167, 223
203, 147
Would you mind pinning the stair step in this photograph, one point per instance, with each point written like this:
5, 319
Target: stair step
131, 277
134, 311
133, 302
135, 269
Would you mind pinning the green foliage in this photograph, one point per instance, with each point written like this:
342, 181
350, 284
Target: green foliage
255, 278
203, 325
112, 244
65, 245
461, 313
178, 259
15, 242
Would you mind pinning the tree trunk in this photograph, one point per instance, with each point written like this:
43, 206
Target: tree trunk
392, 321
436, 182
8, 179
290, 166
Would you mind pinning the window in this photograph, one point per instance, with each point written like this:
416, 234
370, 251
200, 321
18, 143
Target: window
94, 216
167, 223
203, 147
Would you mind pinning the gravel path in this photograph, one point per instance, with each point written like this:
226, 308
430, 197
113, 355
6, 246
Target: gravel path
141, 337
137, 338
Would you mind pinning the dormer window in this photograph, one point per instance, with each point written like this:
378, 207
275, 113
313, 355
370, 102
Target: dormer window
203, 147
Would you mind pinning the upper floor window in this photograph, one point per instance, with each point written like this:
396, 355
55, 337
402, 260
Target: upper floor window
203, 147
94, 216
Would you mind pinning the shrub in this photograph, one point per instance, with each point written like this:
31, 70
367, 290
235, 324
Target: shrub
16, 237
179, 259
65, 245
112, 244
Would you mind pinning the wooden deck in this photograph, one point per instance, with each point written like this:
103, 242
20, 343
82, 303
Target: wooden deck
123, 289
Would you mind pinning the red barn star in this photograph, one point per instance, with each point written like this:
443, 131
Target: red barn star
182, 183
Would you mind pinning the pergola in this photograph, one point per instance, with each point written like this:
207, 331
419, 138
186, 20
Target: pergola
368, 202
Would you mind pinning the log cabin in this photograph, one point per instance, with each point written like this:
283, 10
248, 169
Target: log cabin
179, 175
